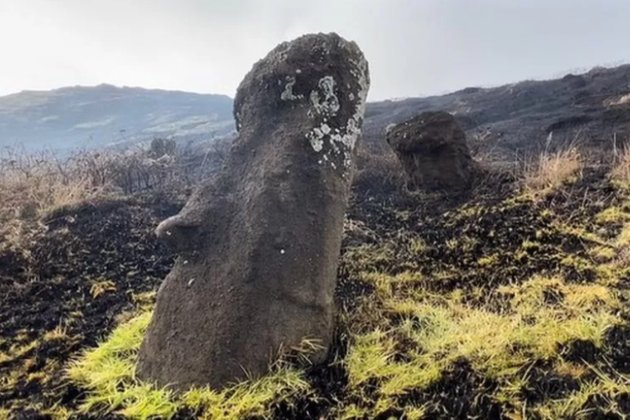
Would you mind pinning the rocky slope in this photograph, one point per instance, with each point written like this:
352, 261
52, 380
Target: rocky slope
589, 109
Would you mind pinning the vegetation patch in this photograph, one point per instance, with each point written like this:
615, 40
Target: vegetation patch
107, 371
551, 170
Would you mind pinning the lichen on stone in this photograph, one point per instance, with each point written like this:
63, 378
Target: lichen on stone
329, 104
287, 94
343, 140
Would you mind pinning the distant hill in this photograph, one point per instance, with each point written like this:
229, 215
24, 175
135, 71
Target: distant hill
589, 108
103, 115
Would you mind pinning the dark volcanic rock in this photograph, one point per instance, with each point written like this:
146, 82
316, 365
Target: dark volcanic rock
433, 152
259, 245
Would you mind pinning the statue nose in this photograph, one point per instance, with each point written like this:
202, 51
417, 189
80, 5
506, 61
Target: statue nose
177, 232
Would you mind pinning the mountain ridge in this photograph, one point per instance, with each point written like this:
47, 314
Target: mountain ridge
592, 107
102, 115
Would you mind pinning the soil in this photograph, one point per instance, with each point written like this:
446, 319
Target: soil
109, 241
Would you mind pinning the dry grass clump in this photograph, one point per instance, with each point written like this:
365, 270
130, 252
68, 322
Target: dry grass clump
620, 173
33, 185
552, 170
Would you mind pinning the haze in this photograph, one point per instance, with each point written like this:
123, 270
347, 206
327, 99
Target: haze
414, 47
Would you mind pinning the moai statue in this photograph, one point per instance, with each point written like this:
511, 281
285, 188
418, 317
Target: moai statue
259, 244
432, 150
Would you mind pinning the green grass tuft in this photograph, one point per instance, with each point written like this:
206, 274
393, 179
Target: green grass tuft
107, 371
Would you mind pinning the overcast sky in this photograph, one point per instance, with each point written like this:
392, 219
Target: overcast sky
415, 47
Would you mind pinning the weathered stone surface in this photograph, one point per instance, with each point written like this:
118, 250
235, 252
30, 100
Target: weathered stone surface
259, 244
432, 150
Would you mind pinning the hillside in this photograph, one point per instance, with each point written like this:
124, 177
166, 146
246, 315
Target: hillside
93, 117
590, 108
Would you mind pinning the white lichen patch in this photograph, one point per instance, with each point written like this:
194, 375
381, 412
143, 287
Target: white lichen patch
342, 140
287, 94
324, 99
316, 139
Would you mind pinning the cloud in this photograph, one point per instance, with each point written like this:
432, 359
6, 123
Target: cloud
414, 47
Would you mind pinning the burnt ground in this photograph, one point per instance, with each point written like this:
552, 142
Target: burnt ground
95, 262
524, 238
98, 261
